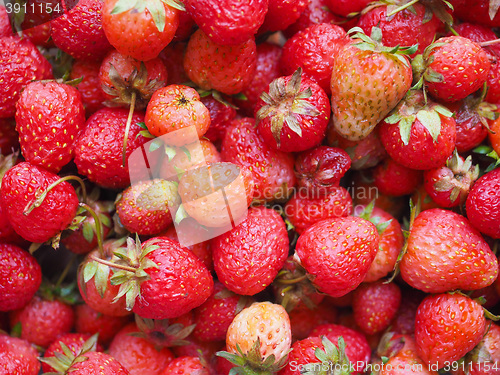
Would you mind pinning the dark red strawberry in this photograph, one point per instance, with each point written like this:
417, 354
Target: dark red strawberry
98, 150
281, 14
303, 319
37, 217
293, 114
137, 354
90, 87
346, 7
482, 12
42, 321
186, 27
248, 258
375, 305
447, 326
446, 253
140, 30
392, 178
173, 58
332, 248
483, 204
18, 357
20, 277
404, 322
304, 211
49, 119
228, 23
221, 116
9, 138
20, 63
79, 31
230, 70
314, 50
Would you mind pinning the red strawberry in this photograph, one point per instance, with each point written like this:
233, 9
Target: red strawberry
9, 138
294, 114
447, 326
375, 305
392, 178
314, 50
272, 170
20, 63
137, 354
186, 366
346, 7
42, 321
453, 68
302, 212
419, 135
230, 70
445, 253
18, 357
5, 28
304, 320
368, 81
228, 23
90, 87
332, 248
186, 27
478, 33
173, 58
248, 258
404, 322
34, 219
483, 204
48, 129
281, 14
221, 115
20, 278
98, 150
79, 32
140, 30
482, 12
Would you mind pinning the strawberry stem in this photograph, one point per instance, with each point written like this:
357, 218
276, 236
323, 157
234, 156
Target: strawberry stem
292, 281
65, 271
39, 200
112, 265
98, 226
127, 127
402, 7
489, 42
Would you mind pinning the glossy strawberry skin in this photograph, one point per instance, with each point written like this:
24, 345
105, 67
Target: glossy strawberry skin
230, 68
42, 320
483, 204
392, 178
184, 366
98, 150
20, 63
98, 363
181, 283
18, 357
49, 118
20, 277
315, 12
79, 31
435, 261
90, 87
51, 217
281, 14
464, 66
346, 7
303, 352
477, 12
248, 258
447, 326
314, 49
333, 248
226, 22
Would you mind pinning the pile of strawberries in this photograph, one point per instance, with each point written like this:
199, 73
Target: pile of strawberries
358, 147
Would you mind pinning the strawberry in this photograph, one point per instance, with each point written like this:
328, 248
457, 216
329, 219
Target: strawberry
294, 114
9, 138
314, 49
88, 321
20, 63
98, 150
248, 258
445, 253
368, 81
144, 208
302, 212
482, 12
48, 129
346, 7
272, 170
281, 14
18, 357
483, 204
90, 87
221, 115
186, 27
447, 326
79, 31
20, 278
173, 108
392, 178
36, 212
173, 58
404, 322
452, 68
478, 33
73, 341
42, 321
419, 135
137, 354
228, 23
259, 338
235, 64
375, 305
141, 29
332, 248
5, 28
186, 366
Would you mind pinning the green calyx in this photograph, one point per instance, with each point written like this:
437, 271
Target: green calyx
284, 102
162, 333
252, 363
332, 360
155, 7
293, 287
367, 214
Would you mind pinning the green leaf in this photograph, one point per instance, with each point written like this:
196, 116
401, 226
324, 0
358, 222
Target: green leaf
405, 129
89, 271
88, 232
483, 150
123, 6
431, 121
101, 279
157, 10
